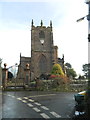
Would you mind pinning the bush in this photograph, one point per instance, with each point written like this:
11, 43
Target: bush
60, 79
57, 70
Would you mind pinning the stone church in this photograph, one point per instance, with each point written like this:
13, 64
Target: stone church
43, 52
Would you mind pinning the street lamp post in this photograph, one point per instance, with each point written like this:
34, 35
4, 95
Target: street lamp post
0, 73
88, 91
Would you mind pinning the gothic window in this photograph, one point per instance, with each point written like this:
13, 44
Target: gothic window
41, 34
43, 64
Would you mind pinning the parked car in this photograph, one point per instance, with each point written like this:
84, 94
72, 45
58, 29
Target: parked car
80, 111
80, 101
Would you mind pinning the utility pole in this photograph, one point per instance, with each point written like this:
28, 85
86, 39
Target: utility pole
0, 73
88, 90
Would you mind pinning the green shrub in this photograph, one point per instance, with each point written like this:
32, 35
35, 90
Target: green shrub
57, 70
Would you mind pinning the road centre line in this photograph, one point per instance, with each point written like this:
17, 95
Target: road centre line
36, 103
36, 109
44, 115
30, 100
55, 114
24, 101
25, 97
19, 98
30, 105
45, 108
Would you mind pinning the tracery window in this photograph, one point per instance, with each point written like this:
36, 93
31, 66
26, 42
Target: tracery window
41, 34
43, 64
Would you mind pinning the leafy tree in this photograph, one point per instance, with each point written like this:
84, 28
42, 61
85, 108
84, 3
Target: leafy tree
70, 71
57, 70
85, 69
68, 66
81, 77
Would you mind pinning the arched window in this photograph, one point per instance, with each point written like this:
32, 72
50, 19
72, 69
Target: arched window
41, 34
43, 64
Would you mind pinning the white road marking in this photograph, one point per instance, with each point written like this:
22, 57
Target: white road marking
55, 114
36, 109
29, 104
45, 108
44, 115
8, 95
13, 96
19, 98
31, 100
37, 103
24, 101
42, 95
25, 97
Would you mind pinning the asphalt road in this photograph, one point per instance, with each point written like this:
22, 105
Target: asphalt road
27, 104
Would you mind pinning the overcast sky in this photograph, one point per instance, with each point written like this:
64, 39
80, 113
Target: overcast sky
69, 36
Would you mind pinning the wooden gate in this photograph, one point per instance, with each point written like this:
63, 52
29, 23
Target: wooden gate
22, 79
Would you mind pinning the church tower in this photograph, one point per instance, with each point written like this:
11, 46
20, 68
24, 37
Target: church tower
42, 49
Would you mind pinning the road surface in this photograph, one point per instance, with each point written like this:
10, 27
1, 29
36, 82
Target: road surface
29, 104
